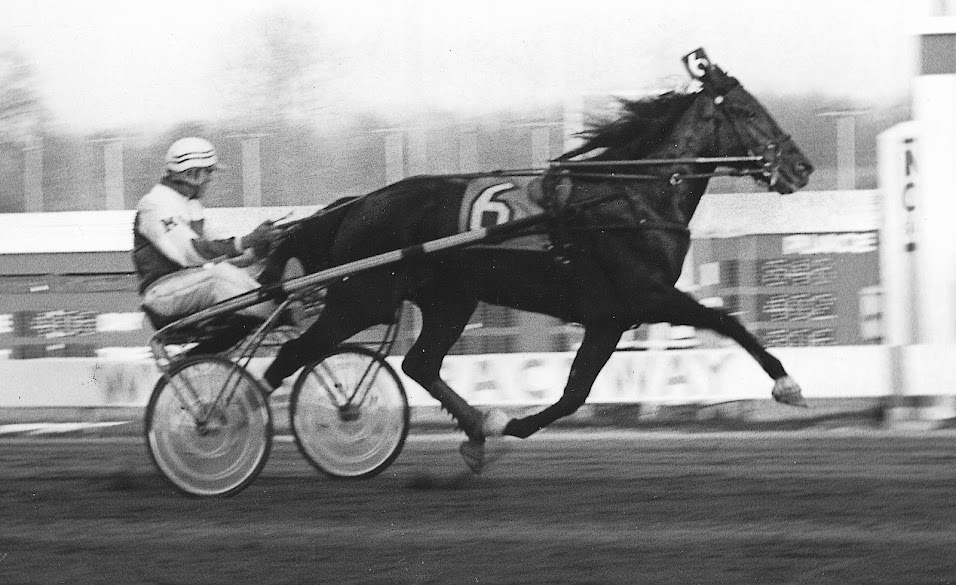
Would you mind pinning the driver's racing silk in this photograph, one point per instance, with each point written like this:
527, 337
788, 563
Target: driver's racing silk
166, 226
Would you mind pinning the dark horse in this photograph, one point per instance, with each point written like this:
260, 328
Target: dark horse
622, 234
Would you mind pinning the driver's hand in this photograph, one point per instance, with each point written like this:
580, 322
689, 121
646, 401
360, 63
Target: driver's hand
261, 238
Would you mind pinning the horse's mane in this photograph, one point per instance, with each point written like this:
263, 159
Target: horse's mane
640, 126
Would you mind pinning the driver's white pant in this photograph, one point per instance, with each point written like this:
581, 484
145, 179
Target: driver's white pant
193, 289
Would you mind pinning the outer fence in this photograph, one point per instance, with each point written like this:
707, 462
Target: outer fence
850, 385
667, 377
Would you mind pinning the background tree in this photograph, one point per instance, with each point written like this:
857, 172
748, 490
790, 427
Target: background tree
21, 125
281, 72
21, 115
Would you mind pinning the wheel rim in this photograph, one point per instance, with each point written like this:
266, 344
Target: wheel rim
205, 449
343, 439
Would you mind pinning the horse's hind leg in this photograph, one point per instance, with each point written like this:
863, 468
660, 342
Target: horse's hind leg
444, 316
680, 308
338, 322
596, 348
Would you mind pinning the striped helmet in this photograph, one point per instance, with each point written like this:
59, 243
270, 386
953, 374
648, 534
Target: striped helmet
190, 153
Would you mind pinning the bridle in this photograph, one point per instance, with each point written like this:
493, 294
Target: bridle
764, 161
769, 155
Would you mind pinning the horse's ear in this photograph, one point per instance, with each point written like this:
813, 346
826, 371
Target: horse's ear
698, 64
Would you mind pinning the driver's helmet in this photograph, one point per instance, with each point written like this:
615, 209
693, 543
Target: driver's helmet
191, 153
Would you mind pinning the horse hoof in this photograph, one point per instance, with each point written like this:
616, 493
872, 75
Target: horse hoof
494, 422
473, 453
787, 391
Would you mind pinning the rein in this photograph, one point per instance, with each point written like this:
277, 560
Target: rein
674, 179
569, 167
657, 162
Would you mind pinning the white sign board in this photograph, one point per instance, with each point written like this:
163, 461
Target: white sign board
899, 184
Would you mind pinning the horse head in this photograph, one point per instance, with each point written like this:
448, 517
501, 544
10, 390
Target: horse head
744, 127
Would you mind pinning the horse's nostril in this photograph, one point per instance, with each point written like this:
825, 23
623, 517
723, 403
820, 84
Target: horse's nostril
805, 168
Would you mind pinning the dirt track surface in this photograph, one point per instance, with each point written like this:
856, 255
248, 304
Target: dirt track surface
825, 507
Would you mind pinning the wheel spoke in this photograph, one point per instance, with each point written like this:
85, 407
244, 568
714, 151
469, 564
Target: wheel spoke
349, 438
216, 445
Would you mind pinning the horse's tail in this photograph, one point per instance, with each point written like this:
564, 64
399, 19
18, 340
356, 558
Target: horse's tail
321, 228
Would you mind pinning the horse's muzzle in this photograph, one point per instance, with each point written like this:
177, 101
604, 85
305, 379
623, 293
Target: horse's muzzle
787, 179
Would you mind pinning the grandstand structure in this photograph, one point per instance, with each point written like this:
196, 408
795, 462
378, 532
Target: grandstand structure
798, 270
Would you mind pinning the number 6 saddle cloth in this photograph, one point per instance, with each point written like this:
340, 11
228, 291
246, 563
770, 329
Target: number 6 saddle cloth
497, 199
617, 211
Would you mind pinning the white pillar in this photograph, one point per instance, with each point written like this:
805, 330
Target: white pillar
573, 122
468, 149
252, 172
113, 174
33, 179
394, 156
540, 145
846, 153
934, 110
846, 146
416, 151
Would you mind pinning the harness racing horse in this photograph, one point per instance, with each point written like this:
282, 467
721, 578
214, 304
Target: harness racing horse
620, 238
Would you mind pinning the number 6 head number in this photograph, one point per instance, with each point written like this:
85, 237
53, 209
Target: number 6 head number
697, 64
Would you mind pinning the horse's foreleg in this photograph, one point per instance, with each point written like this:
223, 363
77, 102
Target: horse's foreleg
443, 320
679, 308
596, 348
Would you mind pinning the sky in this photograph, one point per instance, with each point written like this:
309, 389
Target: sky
114, 63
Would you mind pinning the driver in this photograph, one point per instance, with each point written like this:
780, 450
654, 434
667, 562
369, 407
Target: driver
182, 265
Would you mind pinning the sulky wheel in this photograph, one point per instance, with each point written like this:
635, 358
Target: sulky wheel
349, 413
208, 426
